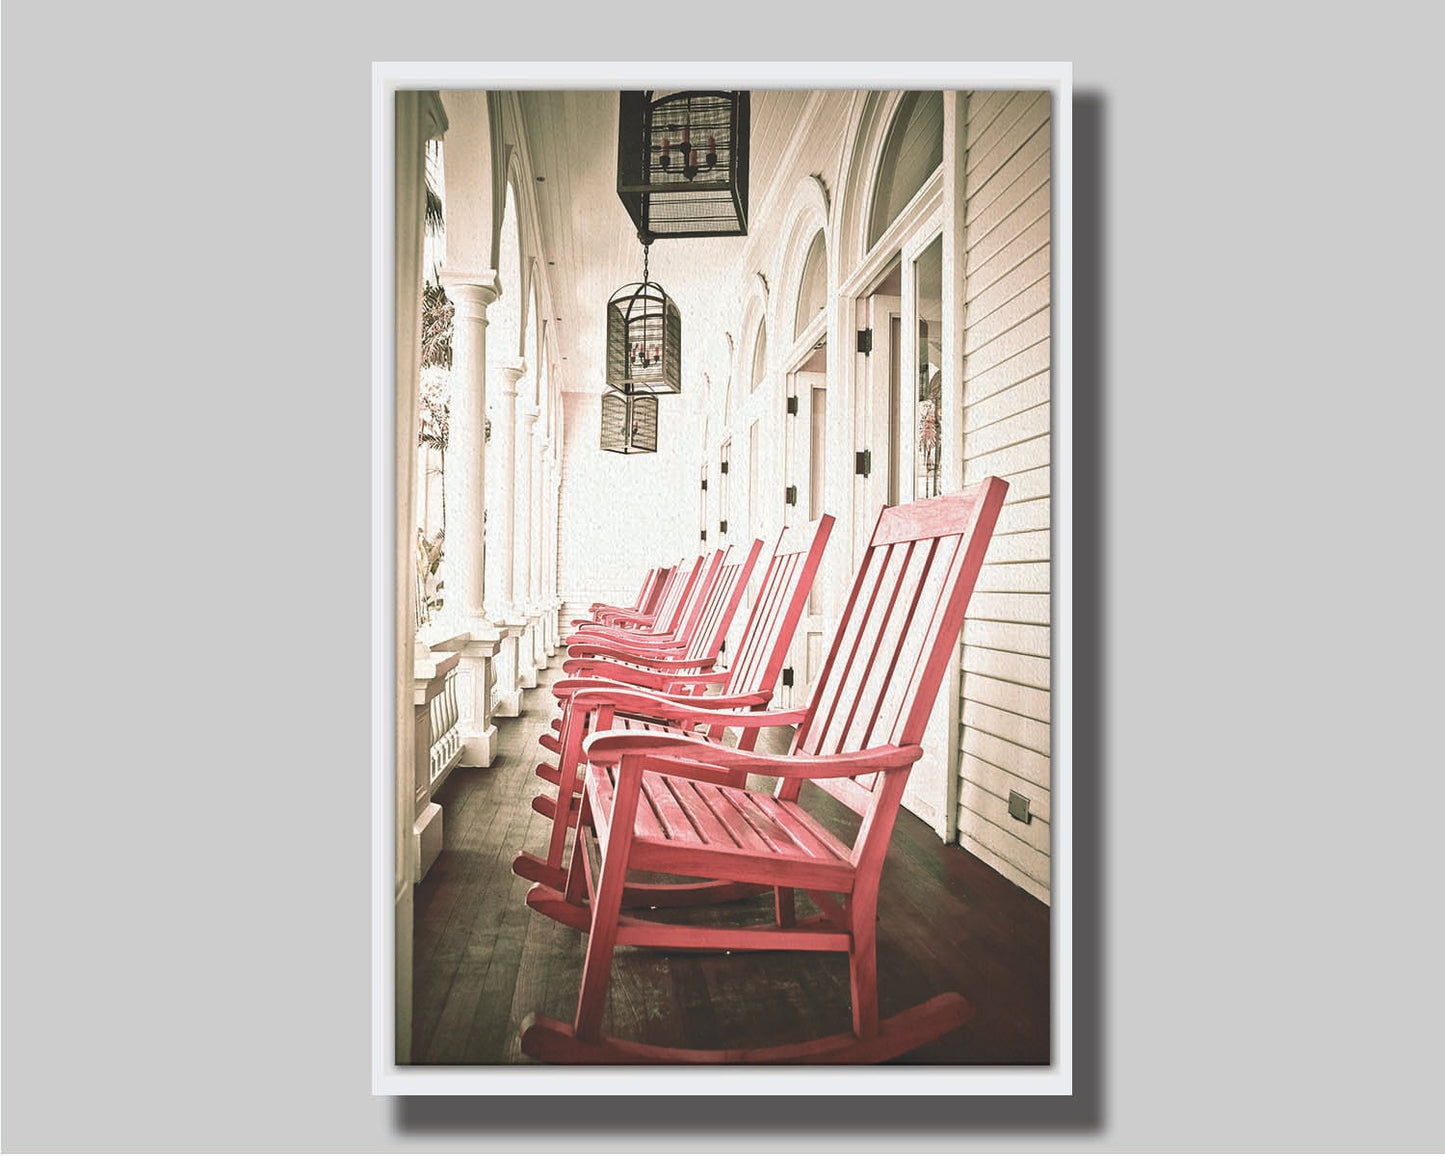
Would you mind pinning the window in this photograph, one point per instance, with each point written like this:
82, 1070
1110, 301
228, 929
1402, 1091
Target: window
813, 288
927, 445
913, 152
760, 355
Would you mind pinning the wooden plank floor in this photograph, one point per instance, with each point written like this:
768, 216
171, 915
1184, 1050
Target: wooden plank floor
484, 960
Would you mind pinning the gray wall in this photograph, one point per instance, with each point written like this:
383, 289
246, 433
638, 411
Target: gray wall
187, 835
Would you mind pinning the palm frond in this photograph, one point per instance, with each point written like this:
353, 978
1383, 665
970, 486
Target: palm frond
437, 313
435, 218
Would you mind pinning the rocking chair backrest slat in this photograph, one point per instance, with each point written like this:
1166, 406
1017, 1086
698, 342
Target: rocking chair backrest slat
670, 610
722, 602
696, 598
778, 606
899, 628
647, 580
652, 589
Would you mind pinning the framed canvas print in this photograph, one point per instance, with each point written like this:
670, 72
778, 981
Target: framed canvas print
722, 578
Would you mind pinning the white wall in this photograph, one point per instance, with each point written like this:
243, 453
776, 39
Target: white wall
1005, 692
623, 513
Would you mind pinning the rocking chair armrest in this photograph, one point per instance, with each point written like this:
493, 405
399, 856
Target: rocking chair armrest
676, 682
628, 617
694, 709
661, 661
591, 670
687, 757
607, 636
597, 646
566, 688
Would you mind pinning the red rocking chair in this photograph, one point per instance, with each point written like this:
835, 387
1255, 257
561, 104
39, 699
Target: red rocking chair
720, 601
660, 629
676, 804
663, 618
651, 593
746, 685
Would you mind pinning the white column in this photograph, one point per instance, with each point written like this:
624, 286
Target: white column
501, 519
466, 483
466, 479
522, 546
501, 535
539, 546
554, 515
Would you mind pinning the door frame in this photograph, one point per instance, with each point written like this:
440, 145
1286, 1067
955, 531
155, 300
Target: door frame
922, 221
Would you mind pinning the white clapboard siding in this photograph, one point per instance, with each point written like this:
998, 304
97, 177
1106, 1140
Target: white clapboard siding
1021, 235
1005, 852
1013, 430
985, 301
1005, 711
1031, 514
1028, 546
1009, 665
1029, 165
1015, 399
1021, 761
994, 808
1025, 487
1022, 221
1001, 138
1030, 361
1008, 316
1020, 698
999, 782
1009, 460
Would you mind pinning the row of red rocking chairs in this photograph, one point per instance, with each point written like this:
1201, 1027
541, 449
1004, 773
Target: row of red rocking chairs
642, 766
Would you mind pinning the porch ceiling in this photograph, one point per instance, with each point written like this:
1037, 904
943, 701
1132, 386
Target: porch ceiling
591, 247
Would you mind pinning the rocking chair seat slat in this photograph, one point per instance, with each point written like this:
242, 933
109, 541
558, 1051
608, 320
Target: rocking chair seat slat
722, 832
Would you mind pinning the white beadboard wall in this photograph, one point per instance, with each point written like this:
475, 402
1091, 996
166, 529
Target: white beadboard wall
1005, 683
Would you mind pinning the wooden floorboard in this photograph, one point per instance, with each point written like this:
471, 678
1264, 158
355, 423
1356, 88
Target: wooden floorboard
483, 960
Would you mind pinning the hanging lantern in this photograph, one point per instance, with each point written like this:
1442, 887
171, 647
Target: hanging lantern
644, 338
629, 422
682, 163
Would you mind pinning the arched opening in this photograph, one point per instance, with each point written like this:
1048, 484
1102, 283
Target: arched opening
504, 319
504, 343
434, 409
912, 154
813, 286
760, 356
530, 350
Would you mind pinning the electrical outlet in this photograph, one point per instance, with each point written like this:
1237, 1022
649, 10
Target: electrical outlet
1018, 807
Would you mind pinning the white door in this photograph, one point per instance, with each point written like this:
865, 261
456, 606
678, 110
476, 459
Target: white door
891, 384
876, 416
807, 445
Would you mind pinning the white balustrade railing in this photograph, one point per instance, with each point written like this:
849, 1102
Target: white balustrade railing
446, 745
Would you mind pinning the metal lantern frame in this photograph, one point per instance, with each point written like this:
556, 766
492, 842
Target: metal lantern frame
629, 422
682, 162
644, 338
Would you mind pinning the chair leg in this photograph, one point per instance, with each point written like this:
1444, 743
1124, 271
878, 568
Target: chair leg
863, 972
579, 884
785, 906
568, 767
607, 903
